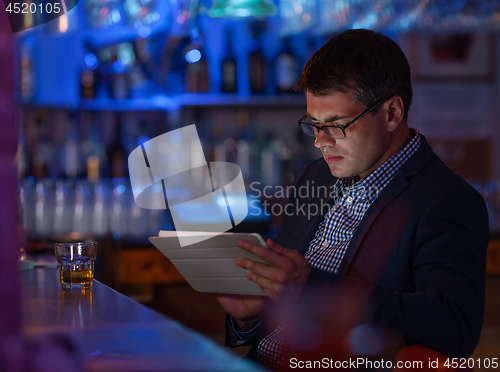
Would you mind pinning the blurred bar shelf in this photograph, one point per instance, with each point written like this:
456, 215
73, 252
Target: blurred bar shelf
112, 332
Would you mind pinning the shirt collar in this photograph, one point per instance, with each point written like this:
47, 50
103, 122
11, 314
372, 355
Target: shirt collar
370, 186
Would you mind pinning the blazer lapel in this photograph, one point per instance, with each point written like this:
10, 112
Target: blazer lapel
388, 194
398, 184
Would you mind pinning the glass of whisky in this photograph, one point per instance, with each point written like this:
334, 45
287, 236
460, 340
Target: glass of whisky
76, 264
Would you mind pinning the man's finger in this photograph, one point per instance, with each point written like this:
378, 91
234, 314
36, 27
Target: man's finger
261, 281
267, 255
281, 250
273, 246
267, 286
271, 273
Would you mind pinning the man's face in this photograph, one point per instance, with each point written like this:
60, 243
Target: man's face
367, 143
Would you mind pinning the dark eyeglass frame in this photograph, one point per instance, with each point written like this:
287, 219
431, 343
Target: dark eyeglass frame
342, 127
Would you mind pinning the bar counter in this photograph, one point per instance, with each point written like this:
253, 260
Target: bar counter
111, 332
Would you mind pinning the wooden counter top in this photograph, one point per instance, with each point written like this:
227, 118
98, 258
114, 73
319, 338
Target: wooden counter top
111, 332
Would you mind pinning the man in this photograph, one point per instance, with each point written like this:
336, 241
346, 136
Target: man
400, 221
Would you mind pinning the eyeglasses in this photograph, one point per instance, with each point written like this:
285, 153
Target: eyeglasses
332, 131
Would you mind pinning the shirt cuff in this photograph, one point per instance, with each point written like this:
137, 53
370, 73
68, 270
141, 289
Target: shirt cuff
243, 336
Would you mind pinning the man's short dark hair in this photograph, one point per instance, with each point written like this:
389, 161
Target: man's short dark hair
369, 63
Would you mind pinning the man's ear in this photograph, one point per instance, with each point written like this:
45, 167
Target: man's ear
395, 112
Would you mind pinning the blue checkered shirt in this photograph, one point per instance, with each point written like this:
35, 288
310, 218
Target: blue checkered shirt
352, 198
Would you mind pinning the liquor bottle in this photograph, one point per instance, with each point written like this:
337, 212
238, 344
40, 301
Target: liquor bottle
93, 159
23, 163
116, 155
123, 57
119, 81
88, 76
244, 138
87, 84
257, 64
219, 150
27, 68
104, 69
41, 160
287, 69
229, 84
71, 151
196, 66
272, 161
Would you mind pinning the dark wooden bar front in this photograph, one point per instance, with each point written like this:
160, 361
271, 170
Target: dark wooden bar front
111, 332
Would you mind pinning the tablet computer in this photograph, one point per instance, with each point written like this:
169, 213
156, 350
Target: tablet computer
208, 265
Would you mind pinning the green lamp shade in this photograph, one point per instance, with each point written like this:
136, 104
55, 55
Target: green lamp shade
242, 9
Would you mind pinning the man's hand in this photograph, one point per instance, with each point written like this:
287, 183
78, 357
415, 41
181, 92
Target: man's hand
247, 310
287, 275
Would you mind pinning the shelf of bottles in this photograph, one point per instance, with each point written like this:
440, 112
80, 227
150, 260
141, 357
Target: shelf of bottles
194, 70
74, 174
158, 49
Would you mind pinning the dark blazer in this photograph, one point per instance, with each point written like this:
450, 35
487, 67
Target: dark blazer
421, 247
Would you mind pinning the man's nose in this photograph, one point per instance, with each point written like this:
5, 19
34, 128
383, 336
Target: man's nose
323, 140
